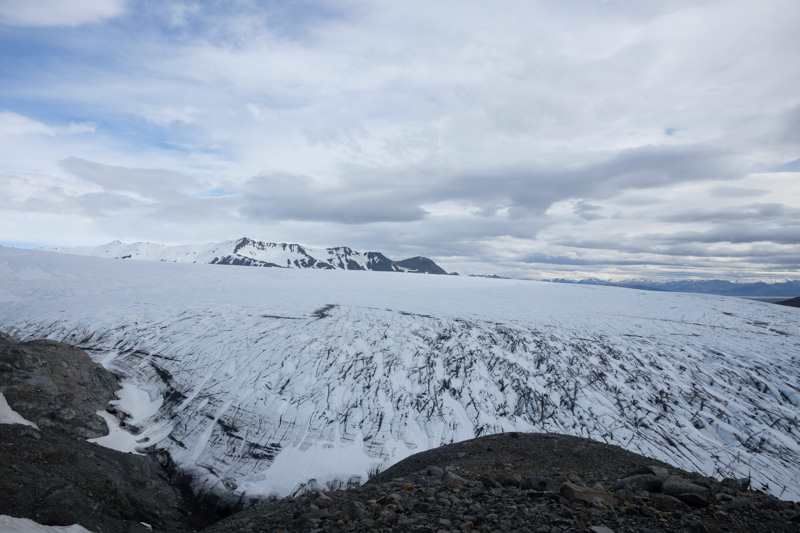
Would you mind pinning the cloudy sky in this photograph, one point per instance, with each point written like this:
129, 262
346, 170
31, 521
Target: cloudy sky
569, 138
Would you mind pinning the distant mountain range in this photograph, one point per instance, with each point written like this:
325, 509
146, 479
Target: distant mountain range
784, 289
249, 252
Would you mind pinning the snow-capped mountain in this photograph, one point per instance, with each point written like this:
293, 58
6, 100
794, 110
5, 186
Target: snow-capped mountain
249, 252
256, 381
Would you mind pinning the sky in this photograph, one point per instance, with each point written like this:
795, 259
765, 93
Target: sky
564, 138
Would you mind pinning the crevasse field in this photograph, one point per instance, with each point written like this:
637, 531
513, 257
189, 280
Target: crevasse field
257, 379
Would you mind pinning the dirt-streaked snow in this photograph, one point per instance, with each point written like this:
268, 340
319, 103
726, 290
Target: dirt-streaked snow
255, 361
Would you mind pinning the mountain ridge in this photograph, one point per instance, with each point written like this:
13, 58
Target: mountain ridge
759, 289
251, 252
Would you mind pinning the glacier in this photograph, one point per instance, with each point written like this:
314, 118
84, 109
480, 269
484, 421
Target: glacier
245, 372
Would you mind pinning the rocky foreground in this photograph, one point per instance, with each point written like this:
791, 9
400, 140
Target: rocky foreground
527, 482
509, 482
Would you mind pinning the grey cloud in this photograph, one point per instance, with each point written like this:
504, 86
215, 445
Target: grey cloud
726, 191
791, 127
738, 233
587, 211
575, 261
535, 189
105, 204
400, 197
763, 212
57, 200
156, 184
789, 166
664, 244
293, 197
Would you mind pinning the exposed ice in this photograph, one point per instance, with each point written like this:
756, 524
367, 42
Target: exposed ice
323, 462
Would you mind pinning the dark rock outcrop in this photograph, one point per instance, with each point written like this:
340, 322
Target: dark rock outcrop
56, 479
56, 386
53, 475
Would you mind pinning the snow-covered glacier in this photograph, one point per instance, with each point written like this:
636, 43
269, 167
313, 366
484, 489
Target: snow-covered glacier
256, 379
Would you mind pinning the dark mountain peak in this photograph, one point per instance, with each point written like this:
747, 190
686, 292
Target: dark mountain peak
420, 264
241, 243
263, 245
791, 302
342, 249
378, 261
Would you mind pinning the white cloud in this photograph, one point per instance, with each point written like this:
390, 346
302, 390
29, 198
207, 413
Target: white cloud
58, 12
12, 124
165, 116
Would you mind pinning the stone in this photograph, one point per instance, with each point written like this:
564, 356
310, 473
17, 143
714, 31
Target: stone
695, 525
675, 486
356, 509
659, 471
489, 482
737, 504
597, 497
434, 471
533, 483
648, 482
452, 480
323, 500
667, 503
600, 529
388, 516
654, 470
740, 484
509, 480
693, 500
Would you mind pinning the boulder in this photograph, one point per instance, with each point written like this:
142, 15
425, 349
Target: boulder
675, 486
596, 497
648, 482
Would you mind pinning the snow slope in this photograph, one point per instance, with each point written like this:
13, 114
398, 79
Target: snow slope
249, 252
260, 370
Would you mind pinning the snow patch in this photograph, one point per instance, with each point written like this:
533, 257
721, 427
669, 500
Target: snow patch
10, 524
10, 416
139, 404
141, 407
117, 438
